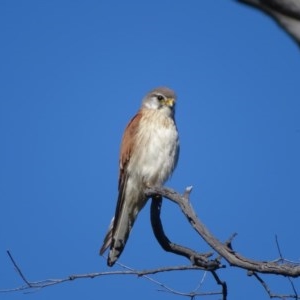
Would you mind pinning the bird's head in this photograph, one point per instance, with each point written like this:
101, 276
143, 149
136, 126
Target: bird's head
161, 98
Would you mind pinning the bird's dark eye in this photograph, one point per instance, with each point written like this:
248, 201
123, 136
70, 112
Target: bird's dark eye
160, 97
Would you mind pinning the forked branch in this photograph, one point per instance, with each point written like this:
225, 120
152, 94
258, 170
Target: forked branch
210, 262
225, 250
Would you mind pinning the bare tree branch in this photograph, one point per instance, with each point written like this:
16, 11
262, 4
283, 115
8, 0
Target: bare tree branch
165, 288
282, 260
231, 256
18, 269
223, 284
199, 261
265, 286
34, 285
269, 292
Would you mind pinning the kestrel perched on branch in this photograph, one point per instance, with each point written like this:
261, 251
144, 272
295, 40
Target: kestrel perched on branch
148, 156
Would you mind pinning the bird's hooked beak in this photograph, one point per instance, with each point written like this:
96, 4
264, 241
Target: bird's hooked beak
169, 102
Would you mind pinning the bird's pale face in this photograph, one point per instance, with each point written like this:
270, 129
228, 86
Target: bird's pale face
161, 99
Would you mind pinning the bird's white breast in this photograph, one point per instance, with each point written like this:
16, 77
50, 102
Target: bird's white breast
157, 148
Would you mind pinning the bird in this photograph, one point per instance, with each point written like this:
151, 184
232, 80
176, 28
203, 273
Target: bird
148, 156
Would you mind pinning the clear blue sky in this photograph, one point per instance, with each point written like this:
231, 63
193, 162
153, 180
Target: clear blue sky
74, 72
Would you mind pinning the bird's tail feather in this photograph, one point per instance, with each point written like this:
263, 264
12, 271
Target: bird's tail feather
122, 227
107, 242
108, 237
130, 201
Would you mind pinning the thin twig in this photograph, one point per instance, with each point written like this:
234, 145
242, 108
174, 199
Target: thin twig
33, 285
17, 268
282, 259
200, 283
165, 288
268, 290
222, 284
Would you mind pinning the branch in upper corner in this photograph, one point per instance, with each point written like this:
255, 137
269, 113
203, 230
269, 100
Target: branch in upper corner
231, 256
285, 13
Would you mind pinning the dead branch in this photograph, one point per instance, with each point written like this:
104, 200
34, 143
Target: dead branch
268, 290
35, 285
167, 289
282, 260
199, 261
223, 249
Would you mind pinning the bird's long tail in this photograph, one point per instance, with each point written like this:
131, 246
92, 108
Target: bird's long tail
130, 202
